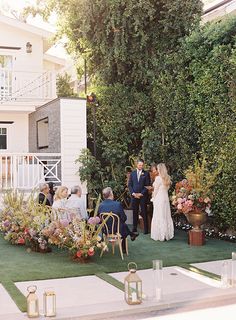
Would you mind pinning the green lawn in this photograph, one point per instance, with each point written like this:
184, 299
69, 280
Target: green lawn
19, 265
16, 264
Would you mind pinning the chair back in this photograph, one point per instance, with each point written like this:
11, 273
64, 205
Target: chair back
112, 224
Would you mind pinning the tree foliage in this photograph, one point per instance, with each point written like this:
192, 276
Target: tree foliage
166, 87
63, 85
123, 40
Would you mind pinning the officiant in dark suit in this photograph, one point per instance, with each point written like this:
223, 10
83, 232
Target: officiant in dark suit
109, 205
138, 181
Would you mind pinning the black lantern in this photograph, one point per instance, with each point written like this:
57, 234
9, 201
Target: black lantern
28, 47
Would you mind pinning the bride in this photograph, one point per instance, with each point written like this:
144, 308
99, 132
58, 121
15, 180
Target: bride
162, 227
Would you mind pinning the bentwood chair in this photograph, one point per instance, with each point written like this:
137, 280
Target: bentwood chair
111, 233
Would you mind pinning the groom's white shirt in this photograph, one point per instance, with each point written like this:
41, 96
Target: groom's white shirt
139, 173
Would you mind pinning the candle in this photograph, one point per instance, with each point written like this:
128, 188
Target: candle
134, 297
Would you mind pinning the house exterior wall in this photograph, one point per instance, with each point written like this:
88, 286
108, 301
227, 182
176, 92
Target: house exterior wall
73, 138
52, 111
225, 8
27, 62
17, 132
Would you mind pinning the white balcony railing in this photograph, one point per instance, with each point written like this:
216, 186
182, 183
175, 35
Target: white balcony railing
27, 170
25, 85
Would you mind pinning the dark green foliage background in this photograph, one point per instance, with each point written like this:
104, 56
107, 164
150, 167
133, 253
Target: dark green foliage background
166, 88
189, 109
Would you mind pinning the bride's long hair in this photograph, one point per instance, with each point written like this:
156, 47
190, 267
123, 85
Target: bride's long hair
161, 167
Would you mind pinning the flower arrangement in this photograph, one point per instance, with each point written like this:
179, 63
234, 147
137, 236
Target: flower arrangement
80, 237
193, 194
40, 218
29, 223
22, 221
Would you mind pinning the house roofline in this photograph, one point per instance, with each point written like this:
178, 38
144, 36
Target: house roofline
26, 27
58, 99
54, 59
212, 7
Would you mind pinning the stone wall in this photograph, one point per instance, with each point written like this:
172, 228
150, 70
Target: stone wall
52, 111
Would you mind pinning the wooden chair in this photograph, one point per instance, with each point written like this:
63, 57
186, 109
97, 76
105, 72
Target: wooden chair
114, 236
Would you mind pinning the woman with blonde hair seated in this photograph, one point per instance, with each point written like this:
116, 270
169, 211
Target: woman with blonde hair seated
162, 227
59, 204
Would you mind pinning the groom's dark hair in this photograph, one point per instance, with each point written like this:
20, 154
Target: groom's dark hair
140, 160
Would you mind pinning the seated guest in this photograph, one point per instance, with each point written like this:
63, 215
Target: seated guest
43, 193
59, 203
109, 205
75, 204
51, 192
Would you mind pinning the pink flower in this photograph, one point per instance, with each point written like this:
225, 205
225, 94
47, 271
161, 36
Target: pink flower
189, 203
64, 222
93, 220
90, 252
179, 206
207, 199
97, 220
179, 200
79, 254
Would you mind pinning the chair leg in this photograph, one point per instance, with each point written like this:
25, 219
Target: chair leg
113, 247
120, 247
101, 254
103, 250
126, 246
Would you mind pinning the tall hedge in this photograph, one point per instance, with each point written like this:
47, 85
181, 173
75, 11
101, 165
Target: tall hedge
196, 105
212, 64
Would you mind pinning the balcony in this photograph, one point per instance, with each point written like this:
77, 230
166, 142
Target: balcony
24, 86
27, 170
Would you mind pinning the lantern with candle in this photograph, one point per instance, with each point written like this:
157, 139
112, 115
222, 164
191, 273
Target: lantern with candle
133, 285
32, 302
49, 303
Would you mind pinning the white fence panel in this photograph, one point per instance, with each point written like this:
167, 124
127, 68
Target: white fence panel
27, 171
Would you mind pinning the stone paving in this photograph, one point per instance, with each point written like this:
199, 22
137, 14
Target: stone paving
92, 298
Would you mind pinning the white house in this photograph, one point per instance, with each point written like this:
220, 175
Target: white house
217, 9
40, 135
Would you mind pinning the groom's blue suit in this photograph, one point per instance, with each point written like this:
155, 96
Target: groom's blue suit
137, 185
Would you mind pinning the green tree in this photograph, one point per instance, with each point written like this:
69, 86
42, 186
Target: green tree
63, 85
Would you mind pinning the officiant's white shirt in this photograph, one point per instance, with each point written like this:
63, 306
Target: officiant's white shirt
77, 205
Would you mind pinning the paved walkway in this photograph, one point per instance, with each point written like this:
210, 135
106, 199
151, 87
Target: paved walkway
93, 298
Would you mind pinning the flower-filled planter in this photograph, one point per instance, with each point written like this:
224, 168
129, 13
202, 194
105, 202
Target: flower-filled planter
193, 197
82, 238
29, 223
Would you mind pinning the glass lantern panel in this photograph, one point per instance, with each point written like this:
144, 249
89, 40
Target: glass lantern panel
32, 306
50, 305
135, 291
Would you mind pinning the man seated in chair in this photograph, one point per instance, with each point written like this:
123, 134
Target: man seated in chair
109, 205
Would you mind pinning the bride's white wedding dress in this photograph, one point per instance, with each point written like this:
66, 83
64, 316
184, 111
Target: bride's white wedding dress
162, 227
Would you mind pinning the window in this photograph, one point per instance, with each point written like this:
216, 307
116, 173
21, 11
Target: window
3, 138
5, 75
42, 133
5, 61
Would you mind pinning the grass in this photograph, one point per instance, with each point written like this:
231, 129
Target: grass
16, 264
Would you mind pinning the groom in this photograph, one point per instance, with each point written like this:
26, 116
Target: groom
138, 181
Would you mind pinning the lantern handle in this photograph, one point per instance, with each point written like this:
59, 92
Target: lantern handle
33, 289
135, 266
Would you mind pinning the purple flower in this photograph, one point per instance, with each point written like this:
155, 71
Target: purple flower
97, 220
93, 220
6, 223
64, 222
